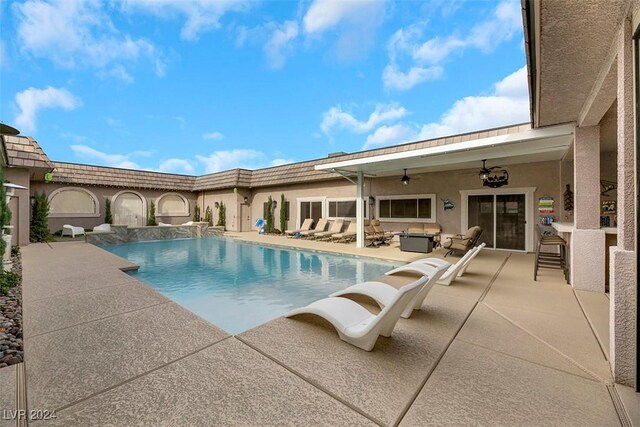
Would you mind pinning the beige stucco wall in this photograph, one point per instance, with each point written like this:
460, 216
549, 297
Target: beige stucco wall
19, 205
232, 201
55, 223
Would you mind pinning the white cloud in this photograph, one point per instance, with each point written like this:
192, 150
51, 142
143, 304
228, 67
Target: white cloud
396, 79
229, 159
114, 160
509, 104
239, 158
390, 135
213, 135
176, 165
31, 100
78, 34
279, 45
323, 15
336, 117
200, 15
505, 22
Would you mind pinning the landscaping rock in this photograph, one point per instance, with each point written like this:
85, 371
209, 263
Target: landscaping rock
11, 345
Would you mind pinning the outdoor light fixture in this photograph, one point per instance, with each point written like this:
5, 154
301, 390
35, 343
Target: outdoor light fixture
246, 199
275, 204
405, 179
217, 205
499, 178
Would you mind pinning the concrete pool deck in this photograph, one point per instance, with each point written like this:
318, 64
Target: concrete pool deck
494, 348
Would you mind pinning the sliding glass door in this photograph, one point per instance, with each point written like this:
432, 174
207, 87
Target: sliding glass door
502, 218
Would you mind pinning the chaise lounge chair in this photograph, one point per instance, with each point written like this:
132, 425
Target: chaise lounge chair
335, 228
348, 235
102, 228
439, 262
357, 325
383, 293
320, 226
463, 242
70, 230
383, 236
421, 267
306, 226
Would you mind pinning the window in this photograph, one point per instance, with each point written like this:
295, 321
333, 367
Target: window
172, 204
310, 208
286, 211
344, 208
73, 202
407, 208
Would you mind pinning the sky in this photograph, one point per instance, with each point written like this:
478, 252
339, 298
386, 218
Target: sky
200, 86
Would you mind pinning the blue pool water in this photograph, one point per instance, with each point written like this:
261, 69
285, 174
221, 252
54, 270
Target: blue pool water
237, 286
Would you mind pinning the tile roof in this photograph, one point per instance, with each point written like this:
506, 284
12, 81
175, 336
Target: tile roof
73, 173
24, 151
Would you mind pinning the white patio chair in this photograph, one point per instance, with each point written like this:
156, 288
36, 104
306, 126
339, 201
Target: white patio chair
383, 293
354, 323
450, 275
102, 228
70, 230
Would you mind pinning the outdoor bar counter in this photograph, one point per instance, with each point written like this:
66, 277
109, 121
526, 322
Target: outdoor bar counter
564, 229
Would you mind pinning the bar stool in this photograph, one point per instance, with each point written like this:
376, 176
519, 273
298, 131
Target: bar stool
555, 260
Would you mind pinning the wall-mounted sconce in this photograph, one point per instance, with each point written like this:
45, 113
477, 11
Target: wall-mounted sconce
405, 178
372, 201
274, 204
217, 205
246, 199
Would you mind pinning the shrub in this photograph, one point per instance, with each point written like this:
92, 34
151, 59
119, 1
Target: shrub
108, 217
222, 217
15, 250
208, 216
196, 213
151, 219
8, 280
269, 216
5, 213
283, 214
39, 231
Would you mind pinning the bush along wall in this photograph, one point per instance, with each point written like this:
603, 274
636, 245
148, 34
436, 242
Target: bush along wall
208, 216
5, 213
39, 230
283, 214
196, 213
151, 218
108, 216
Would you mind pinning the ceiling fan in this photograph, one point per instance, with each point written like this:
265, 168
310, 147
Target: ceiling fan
493, 177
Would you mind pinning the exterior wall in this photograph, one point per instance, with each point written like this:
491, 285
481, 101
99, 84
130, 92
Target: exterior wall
445, 185
231, 200
56, 223
19, 205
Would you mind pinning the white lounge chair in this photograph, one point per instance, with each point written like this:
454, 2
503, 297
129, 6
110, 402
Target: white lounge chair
450, 275
102, 228
188, 223
335, 228
383, 293
163, 224
440, 262
357, 325
70, 230
306, 226
320, 226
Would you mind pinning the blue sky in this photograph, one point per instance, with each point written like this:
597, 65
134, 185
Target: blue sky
201, 86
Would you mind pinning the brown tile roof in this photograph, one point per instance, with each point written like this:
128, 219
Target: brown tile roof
24, 151
73, 173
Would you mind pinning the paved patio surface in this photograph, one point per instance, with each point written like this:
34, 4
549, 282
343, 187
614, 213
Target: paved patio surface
494, 348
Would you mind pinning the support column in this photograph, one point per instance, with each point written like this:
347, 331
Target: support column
360, 211
622, 271
587, 240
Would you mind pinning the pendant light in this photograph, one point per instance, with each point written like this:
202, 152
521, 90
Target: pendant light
405, 179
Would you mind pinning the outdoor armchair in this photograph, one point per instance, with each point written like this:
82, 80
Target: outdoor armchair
462, 242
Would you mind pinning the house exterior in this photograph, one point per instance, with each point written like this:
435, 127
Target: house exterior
582, 61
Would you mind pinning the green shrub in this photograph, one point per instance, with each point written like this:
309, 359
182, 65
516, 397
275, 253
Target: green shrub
5, 213
222, 217
196, 213
269, 216
283, 214
8, 280
108, 217
39, 231
151, 218
15, 250
208, 216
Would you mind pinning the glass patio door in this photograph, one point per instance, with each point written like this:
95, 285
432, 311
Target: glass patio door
502, 218
312, 209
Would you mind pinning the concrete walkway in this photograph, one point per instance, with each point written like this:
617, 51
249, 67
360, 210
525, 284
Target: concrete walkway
494, 348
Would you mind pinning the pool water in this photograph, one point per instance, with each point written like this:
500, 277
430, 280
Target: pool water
238, 286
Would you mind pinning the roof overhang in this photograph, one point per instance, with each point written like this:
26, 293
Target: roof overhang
536, 145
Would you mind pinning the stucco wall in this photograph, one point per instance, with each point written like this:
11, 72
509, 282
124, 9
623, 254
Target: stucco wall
19, 205
56, 223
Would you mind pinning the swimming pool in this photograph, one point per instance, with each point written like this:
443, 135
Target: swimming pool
237, 286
